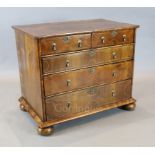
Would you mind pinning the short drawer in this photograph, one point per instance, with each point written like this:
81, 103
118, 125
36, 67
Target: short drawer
66, 105
113, 37
87, 58
65, 43
67, 81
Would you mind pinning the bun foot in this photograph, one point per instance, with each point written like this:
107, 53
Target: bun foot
22, 107
22, 104
128, 107
45, 131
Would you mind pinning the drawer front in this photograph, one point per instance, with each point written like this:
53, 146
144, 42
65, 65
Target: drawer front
86, 100
65, 43
113, 37
67, 81
87, 58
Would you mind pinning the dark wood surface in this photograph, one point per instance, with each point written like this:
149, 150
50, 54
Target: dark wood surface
87, 58
69, 27
45, 124
87, 100
27, 49
58, 83
65, 43
111, 38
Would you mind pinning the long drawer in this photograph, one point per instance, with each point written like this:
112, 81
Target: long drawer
87, 58
67, 81
86, 100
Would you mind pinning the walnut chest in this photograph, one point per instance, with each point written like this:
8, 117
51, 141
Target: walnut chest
73, 69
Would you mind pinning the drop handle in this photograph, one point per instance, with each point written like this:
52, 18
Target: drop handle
68, 83
114, 73
113, 94
114, 56
68, 104
124, 37
54, 46
79, 43
67, 63
102, 40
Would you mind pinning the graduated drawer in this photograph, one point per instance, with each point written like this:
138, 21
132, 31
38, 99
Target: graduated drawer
68, 43
67, 81
86, 100
113, 37
87, 58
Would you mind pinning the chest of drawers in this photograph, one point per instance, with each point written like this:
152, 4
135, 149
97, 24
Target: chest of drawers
73, 69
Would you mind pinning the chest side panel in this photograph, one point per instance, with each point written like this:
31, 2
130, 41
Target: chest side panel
27, 49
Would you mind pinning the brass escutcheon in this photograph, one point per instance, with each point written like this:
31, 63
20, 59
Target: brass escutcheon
66, 38
114, 33
92, 53
92, 70
92, 90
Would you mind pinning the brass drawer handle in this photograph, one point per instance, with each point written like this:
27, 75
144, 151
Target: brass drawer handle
114, 56
68, 83
79, 43
68, 104
102, 40
113, 93
124, 37
67, 63
54, 46
114, 73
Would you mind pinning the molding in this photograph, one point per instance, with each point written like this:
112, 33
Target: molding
49, 123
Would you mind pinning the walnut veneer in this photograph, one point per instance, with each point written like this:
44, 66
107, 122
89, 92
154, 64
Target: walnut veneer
73, 69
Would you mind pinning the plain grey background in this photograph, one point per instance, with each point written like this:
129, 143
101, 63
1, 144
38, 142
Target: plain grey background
111, 128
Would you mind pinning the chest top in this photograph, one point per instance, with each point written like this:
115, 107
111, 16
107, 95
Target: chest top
72, 27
